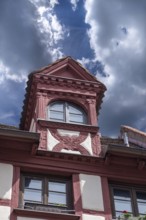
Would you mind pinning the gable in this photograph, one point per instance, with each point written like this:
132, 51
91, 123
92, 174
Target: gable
68, 72
68, 68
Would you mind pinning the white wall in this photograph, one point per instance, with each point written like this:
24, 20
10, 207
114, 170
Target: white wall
6, 177
4, 213
91, 192
92, 217
51, 141
87, 144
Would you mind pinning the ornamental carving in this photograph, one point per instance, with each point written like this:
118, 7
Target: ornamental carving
91, 101
43, 139
70, 142
96, 146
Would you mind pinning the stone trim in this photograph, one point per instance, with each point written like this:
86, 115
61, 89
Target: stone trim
40, 214
68, 126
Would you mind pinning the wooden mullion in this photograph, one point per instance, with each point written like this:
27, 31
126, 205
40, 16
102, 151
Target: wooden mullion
69, 195
66, 112
134, 203
45, 191
21, 193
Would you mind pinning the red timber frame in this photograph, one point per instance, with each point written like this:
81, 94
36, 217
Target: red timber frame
116, 164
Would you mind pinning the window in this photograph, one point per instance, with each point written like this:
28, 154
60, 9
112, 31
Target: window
46, 193
131, 199
66, 112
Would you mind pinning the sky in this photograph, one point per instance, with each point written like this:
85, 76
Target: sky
107, 36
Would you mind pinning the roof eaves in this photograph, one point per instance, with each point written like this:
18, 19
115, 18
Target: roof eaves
4, 132
127, 150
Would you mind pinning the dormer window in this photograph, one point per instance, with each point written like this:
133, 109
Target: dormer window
66, 112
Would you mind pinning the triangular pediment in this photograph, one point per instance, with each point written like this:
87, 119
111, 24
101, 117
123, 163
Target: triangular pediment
68, 72
68, 68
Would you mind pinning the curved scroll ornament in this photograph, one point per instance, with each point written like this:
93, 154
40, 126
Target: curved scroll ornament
70, 142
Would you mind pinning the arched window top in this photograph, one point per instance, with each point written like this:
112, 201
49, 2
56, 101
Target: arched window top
66, 112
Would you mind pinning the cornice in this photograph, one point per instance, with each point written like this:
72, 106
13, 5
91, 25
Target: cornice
69, 82
19, 140
84, 95
127, 151
85, 159
122, 155
68, 126
18, 134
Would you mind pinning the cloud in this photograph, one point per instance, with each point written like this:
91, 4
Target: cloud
117, 37
107, 37
74, 4
49, 28
5, 73
30, 37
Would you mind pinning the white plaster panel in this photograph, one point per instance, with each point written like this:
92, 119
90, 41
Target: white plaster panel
51, 141
70, 151
25, 218
92, 217
5, 212
91, 192
68, 133
6, 177
87, 144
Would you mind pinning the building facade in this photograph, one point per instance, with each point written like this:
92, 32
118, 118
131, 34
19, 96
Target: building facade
56, 166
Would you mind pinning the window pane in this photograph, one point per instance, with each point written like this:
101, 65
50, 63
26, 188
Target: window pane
123, 205
141, 202
122, 200
57, 115
141, 196
57, 106
56, 186
118, 214
32, 195
122, 194
74, 109
141, 208
76, 118
33, 183
57, 198
66, 112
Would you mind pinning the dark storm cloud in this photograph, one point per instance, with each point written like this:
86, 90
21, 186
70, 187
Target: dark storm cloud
11, 105
20, 45
22, 49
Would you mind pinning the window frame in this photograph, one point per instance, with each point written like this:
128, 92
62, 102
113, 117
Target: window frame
66, 112
132, 190
44, 191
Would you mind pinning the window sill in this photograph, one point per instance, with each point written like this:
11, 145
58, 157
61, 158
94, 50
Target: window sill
41, 214
69, 126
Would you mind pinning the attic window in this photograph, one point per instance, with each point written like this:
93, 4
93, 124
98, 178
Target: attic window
66, 112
